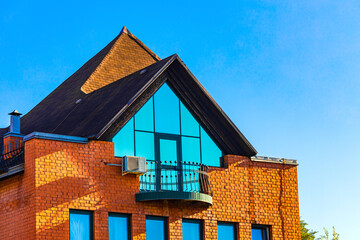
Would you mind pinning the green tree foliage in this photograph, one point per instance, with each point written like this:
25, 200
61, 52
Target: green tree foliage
306, 234
335, 235
309, 234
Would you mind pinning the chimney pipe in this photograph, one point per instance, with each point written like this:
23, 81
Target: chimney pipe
15, 122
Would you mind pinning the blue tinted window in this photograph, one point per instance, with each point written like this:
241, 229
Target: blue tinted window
156, 228
256, 234
168, 150
190, 149
144, 118
260, 233
144, 144
119, 227
226, 231
210, 152
80, 225
191, 229
189, 126
124, 140
166, 111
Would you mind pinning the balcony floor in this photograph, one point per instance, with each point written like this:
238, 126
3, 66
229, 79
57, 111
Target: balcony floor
173, 195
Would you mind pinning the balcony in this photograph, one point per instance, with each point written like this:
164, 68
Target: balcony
172, 180
11, 159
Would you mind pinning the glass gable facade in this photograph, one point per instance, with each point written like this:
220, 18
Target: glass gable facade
164, 113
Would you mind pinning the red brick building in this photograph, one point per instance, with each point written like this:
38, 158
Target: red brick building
133, 147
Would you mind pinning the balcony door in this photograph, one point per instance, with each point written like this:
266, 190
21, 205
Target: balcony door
168, 160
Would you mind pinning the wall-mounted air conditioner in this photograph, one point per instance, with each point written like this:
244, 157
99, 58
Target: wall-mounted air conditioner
134, 165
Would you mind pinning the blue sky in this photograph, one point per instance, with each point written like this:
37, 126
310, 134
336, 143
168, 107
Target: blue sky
286, 72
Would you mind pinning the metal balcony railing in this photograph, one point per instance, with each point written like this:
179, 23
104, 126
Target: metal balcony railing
188, 177
11, 155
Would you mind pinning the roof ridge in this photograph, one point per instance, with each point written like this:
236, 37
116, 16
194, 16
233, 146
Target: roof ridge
123, 30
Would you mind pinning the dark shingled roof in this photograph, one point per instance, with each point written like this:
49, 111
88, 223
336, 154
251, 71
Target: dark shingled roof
96, 109
101, 113
48, 115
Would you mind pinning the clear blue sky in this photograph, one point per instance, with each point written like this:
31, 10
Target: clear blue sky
286, 72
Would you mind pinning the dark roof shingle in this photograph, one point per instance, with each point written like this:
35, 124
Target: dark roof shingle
49, 114
108, 105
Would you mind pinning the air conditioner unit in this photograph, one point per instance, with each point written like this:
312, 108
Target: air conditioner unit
134, 165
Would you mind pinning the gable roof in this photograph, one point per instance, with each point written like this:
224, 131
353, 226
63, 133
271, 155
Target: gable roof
124, 55
102, 112
193, 95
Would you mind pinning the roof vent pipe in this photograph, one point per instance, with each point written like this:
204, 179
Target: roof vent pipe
15, 122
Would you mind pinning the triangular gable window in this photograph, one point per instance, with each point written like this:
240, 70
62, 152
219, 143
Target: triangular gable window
162, 126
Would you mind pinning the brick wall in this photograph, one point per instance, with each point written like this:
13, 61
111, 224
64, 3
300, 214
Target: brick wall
10, 143
17, 198
74, 176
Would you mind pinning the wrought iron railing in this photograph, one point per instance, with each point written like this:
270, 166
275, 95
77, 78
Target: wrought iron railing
175, 176
11, 155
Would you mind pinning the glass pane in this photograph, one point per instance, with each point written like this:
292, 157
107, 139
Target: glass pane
191, 230
144, 143
166, 111
190, 155
189, 126
118, 227
257, 234
155, 228
190, 149
124, 140
168, 151
144, 118
210, 153
226, 231
80, 225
